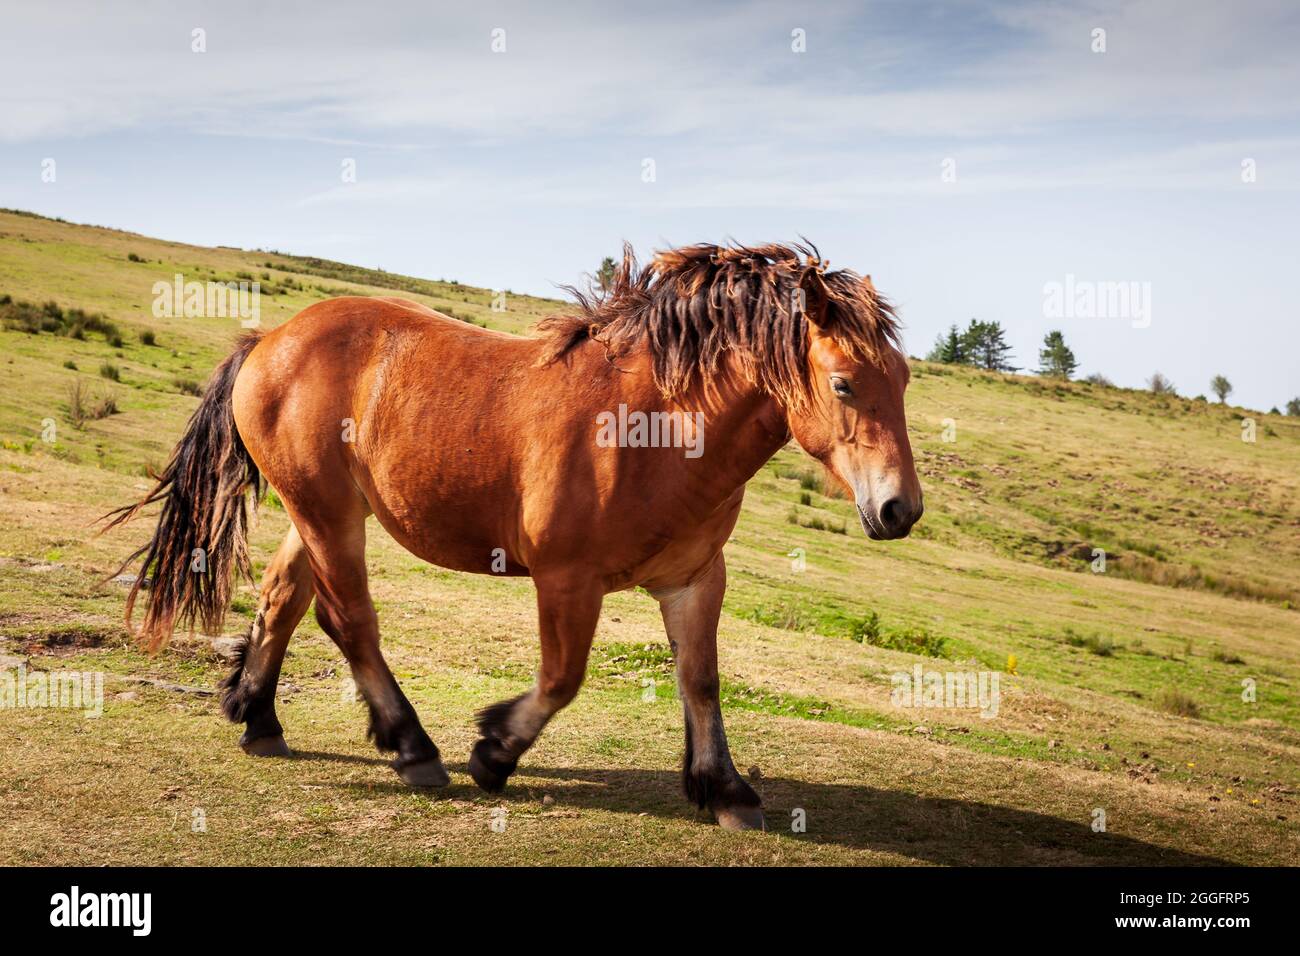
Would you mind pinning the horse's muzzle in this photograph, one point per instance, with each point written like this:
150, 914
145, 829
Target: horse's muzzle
893, 520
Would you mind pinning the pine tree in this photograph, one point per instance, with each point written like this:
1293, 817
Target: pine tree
1055, 360
984, 345
605, 274
948, 348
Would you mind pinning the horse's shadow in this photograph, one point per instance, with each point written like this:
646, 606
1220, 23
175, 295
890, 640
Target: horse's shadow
312, 755
938, 830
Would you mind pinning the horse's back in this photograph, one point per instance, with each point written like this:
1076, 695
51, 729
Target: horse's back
354, 317
340, 339
390, 398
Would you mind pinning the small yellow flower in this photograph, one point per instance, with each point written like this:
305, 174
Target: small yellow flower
1011, 663
1229, 790
1190, 765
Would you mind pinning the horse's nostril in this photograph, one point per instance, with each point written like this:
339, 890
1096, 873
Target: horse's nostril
891, 514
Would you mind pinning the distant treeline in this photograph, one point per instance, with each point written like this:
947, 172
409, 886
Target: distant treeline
983, 345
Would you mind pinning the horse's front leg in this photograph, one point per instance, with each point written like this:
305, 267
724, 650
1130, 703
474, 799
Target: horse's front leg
568, 609
708, 776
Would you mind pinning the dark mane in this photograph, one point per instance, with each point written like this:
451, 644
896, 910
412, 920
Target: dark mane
693, 305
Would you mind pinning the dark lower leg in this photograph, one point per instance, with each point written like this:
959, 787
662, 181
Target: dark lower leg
709, 776
248, 693
496, 754
334, 533
394, 725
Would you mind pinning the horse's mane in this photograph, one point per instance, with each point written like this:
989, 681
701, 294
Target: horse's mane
693, 305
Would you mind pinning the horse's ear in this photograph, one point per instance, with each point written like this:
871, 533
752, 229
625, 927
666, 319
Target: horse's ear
816, 298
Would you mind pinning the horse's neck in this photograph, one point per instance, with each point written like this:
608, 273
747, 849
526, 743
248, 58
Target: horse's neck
742, 429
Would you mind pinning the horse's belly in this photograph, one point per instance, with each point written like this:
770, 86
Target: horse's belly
451, 532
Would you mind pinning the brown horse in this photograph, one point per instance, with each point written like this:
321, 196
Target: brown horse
608, 452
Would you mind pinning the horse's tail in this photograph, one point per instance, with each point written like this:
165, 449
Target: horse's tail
202, 530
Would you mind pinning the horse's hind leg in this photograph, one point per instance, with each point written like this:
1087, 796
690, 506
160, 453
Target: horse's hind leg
568, 610
249, 692
337, 547
709, 777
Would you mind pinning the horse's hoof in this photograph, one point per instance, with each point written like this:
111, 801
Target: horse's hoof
489, 766
273, 746
740, 818
428, 773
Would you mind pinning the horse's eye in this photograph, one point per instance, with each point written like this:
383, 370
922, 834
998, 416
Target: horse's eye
841, 388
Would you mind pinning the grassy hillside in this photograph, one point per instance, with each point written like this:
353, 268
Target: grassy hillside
1125, 693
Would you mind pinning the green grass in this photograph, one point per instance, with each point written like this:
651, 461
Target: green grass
1146, 689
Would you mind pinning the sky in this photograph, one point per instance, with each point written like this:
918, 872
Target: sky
970, 156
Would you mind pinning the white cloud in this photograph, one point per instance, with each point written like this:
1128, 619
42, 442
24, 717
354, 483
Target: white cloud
725, 73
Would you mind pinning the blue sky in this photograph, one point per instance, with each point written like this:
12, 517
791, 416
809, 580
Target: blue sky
521, 169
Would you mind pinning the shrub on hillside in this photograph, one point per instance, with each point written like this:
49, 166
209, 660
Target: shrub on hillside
104, 407
866, 629
83, 407
78, 404
1160, 385
51, 317
1092, 643
1173, 700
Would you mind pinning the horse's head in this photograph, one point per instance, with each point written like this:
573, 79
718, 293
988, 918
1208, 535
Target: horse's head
820, 344
853, 422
